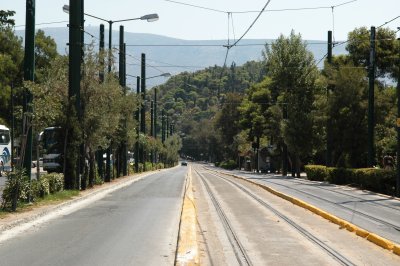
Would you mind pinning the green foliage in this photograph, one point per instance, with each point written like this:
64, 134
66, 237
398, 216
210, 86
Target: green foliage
377, 180
56, 182
11, 58
5, 18
293, 73
230, 165
16, 189
316, 172
386, 49
347, 110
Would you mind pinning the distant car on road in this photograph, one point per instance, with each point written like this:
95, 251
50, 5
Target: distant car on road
184, 163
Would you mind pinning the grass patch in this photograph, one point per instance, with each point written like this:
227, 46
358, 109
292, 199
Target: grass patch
57, 197
50, 199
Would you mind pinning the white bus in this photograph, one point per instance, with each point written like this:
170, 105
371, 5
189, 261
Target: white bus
5, 149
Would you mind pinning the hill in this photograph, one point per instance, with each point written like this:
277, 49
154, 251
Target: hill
165, 54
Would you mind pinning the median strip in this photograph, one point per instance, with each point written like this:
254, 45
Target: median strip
188, 251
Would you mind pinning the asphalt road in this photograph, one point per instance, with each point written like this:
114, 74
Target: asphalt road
135, 225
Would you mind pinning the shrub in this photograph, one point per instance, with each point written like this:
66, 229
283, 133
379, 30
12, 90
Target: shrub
340, 176
377, 180
230, 165
16, 189
56, 182
44, 187
316, 172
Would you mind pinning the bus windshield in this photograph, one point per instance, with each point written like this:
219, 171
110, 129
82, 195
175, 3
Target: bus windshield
53, 140
4, 136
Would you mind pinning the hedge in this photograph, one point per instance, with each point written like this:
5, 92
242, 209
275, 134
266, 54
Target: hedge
377, 180
229, 165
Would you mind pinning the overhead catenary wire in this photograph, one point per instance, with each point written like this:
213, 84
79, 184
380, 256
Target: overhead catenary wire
267, 10
45, 23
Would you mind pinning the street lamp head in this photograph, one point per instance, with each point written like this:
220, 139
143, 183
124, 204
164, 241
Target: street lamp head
65, 8
165, 75
150, 17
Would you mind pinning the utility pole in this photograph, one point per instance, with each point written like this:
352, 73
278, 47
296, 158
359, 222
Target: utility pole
137, 117
110, 54
155, 113
285, 150
122, 151
101, 79
81, 181
29, 75
329, 122
163, 126
152, 118
152, 128
371, 109
72, 149
398, 126
143, 108
125, 141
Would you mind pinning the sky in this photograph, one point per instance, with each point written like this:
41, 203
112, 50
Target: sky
191, 23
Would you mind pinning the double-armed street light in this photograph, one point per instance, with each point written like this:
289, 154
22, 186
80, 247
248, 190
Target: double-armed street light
148, 18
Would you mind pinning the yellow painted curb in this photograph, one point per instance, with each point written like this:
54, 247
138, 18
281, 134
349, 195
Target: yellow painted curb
396, 250
361, 232
380, 241
188, 251
377, 240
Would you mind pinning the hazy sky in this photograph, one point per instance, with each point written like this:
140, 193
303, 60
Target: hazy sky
186, 22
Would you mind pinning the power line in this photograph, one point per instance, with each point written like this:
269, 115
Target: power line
267, 10
45, 23
252, 24
393, 19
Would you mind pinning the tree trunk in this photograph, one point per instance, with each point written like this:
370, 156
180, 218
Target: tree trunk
298, 166
92, 168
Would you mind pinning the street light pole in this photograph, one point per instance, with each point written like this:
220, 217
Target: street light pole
29, 74
143, 108
137, 116
398, 126
371, 100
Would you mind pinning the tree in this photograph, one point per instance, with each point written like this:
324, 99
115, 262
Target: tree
11, 56
45, 53
5, 20
227, 125
293, 72
347, 107
386, 49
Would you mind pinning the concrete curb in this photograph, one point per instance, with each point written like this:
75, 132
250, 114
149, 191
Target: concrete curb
188, 250
377, 240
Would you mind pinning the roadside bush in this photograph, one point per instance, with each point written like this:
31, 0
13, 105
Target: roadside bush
44, 187
56, 182
229, 165
316, 172
377, 180
340, 176
16, 189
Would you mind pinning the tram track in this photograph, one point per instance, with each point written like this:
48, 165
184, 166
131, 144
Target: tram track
305, 233
350, 210
240, 253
